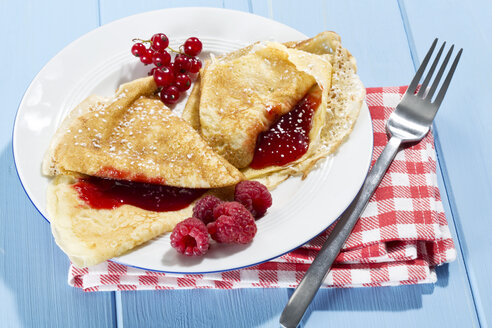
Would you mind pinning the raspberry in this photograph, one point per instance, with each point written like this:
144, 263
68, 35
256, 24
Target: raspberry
190, 237
204, 208
254, 196
248, 231
231, 209
224, 230
234, 224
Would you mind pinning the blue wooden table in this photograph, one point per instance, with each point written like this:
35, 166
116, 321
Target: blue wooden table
388, 37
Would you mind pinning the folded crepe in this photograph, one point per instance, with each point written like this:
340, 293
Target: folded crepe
241, 97
231, 103
90, 236
131, 136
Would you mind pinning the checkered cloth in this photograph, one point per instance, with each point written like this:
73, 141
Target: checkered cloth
401, 237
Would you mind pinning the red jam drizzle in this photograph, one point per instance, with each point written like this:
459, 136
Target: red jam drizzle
100, 193
288, 138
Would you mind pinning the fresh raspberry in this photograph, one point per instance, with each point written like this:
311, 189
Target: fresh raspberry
231, 209
234, 224
204, 208
254, 196
190, 237
248, 231
224, 230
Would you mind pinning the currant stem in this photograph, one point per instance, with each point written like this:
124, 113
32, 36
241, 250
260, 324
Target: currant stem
178, 52
150, 41
140, 40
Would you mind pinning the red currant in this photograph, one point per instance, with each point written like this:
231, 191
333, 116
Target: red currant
175, 69
182, 62
170, 95
146, 57
192, 46
138, 49
159, 42
182, 82
163, 77
161, 58
172, 67
196, 64
151, 72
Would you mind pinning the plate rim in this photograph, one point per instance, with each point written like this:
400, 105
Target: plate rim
95, 30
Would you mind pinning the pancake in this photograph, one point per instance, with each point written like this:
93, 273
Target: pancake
131, 136
90, 236
134, 136
191, 112
341, 108
242, 96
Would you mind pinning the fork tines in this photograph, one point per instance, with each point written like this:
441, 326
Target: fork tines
425, 92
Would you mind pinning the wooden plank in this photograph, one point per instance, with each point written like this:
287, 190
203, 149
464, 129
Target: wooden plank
204, 308
33, 271
242, 5
463, 126
115, 9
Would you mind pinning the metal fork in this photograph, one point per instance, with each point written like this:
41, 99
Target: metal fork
410, 121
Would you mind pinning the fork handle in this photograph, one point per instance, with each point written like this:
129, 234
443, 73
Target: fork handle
317, 272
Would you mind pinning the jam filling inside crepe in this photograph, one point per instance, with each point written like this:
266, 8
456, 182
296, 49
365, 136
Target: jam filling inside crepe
101, 193
288, 138
147, 194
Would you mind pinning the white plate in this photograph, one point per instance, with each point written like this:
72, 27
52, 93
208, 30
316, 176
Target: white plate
100, 61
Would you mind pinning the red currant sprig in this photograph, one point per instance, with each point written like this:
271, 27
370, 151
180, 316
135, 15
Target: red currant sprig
172, 77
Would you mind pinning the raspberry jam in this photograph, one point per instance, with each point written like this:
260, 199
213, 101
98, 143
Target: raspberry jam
102, 193
288, 138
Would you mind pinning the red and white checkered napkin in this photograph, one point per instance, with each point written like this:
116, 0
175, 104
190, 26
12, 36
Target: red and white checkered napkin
401, 237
